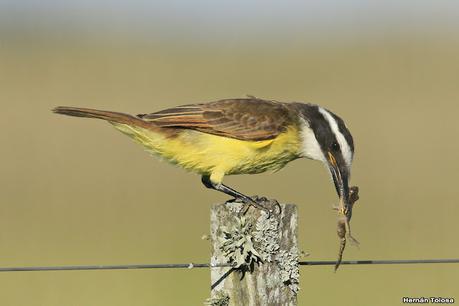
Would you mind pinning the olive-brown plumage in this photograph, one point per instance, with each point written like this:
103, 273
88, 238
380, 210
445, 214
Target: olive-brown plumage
245, 119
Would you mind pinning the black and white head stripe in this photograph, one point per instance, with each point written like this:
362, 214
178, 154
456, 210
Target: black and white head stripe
322, 130
342, 135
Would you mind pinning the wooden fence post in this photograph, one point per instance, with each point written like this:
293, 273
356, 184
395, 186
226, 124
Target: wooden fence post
264, 252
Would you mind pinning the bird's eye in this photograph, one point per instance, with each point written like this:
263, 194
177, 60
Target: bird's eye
335, 146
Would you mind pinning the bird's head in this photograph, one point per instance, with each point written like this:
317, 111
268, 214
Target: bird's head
326, 138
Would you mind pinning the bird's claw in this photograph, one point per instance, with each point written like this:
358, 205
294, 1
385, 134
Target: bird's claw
270, 207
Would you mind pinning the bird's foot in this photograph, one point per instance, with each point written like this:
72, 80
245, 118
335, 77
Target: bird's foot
269, 206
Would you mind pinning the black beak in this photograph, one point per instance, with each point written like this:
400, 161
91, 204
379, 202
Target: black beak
341, 179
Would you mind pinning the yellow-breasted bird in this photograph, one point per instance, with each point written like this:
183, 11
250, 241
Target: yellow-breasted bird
239, 136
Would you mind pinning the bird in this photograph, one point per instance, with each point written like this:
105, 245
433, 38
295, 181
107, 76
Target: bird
239, 136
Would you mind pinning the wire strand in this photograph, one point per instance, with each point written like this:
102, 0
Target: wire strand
113, 267
379, 262
208, 265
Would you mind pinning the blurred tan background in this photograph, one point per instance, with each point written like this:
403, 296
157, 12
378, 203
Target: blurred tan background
76, 191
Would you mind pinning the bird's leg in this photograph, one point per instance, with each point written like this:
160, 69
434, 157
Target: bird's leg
236, 194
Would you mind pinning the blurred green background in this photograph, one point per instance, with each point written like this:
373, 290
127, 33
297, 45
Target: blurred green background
76, 191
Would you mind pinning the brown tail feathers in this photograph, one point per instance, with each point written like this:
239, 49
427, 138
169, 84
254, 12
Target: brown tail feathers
100, 114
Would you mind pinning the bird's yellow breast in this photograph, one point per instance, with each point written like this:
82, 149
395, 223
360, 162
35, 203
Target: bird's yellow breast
217, 155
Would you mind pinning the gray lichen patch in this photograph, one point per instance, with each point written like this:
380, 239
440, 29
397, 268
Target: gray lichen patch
220, 299
234, 206
266, 235
289, 270
237, 244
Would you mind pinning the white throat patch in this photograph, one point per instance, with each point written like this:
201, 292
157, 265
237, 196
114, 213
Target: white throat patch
311, 147
345, 148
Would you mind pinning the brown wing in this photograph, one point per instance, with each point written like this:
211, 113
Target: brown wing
245, 119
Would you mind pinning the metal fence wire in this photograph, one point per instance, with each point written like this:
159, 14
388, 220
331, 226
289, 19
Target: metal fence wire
208, 265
